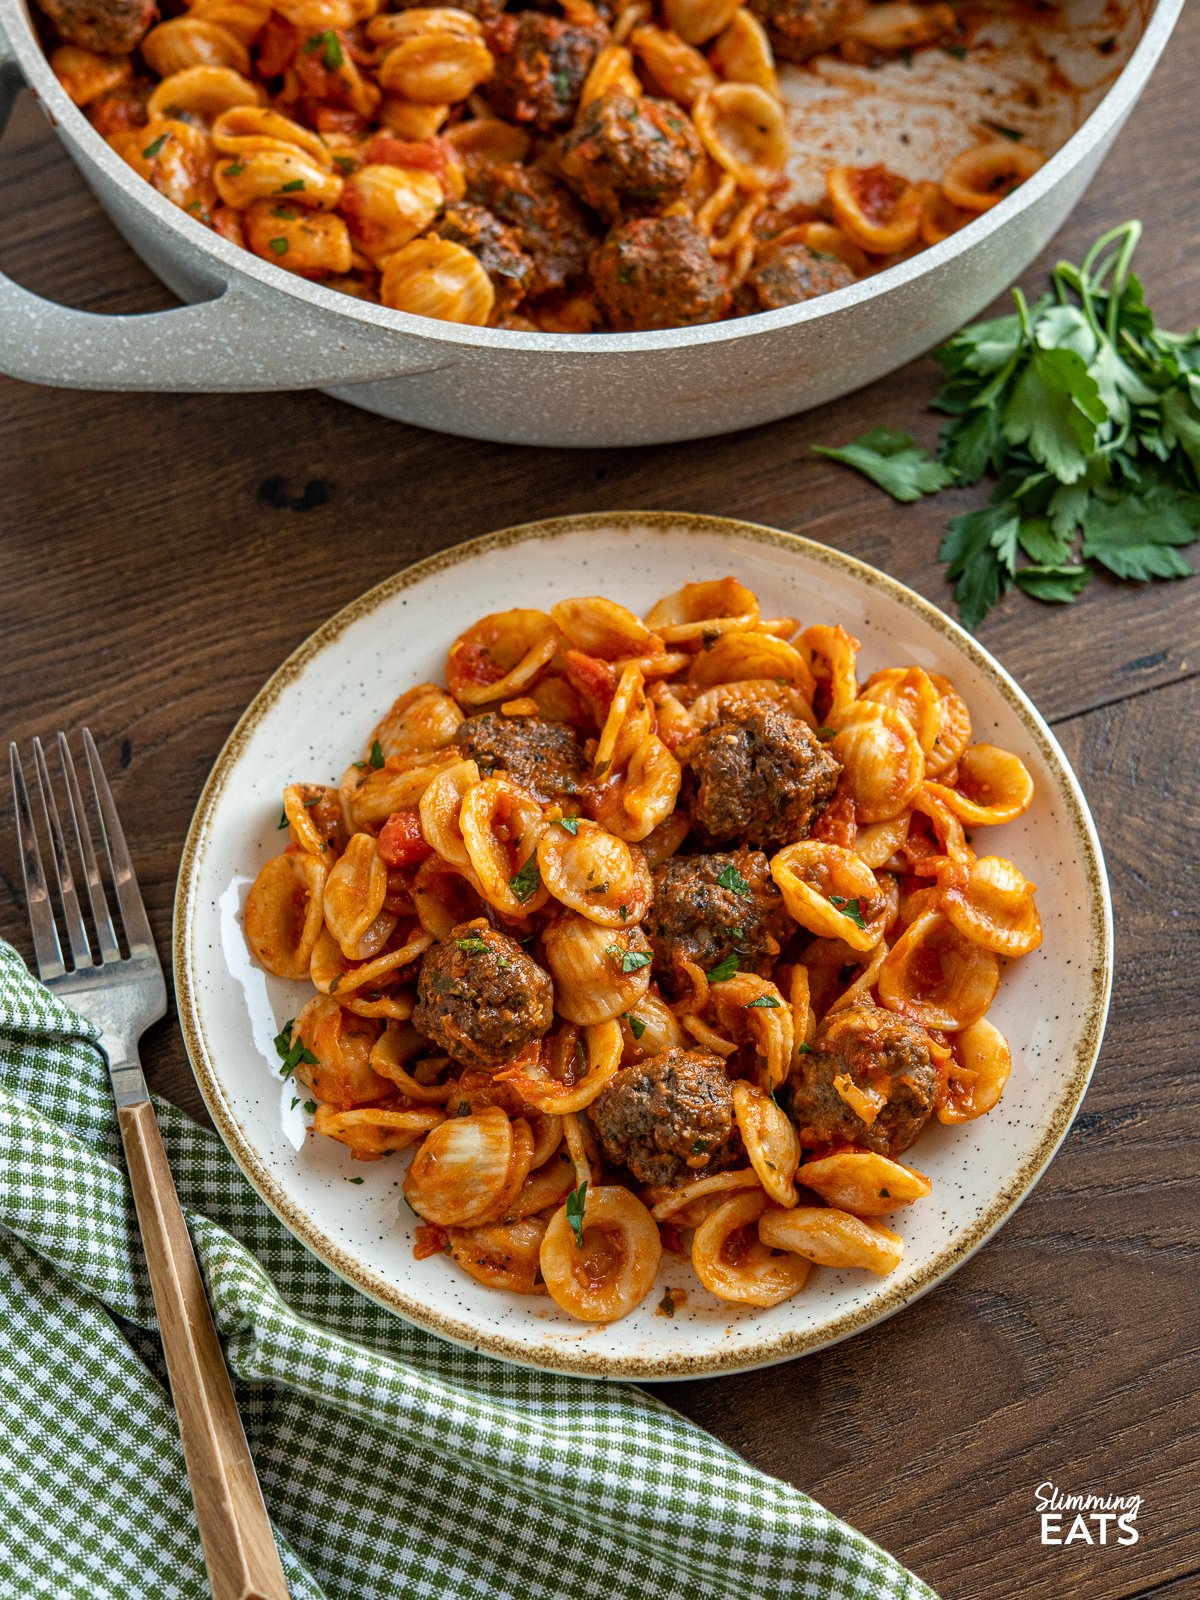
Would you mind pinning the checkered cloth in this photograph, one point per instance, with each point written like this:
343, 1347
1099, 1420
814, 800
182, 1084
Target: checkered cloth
394, 1464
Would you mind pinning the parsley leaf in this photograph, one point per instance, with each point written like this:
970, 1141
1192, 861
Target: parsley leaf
971, 549
893, 462
1133, 536
295, 187
576, 1203
283, 820
848, 908
526, 882
280, 248
636, 1025
375, 759
765, 1002
292, 1051
1055, 408
472, 945
154, 147
730, 878
310, 1106
725, 968
1054, 584
571, 824
631, 960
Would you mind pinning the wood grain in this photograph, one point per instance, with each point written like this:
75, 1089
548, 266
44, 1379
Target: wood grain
239, 1548
157, 569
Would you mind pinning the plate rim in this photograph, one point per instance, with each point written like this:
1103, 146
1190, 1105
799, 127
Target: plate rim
590, 1361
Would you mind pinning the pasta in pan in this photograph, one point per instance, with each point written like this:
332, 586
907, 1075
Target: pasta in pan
583, 166
651, 934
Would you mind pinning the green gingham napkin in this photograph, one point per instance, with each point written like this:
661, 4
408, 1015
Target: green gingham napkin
395, 1466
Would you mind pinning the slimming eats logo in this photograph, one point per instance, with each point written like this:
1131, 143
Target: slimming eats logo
1086, 1518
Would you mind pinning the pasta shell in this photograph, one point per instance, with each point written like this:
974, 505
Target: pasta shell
461, 1170
615, 1269
770, 1140
501, 1255
438, 278
744, 130
832, 1238
864, 1183
732, 1261
283, 914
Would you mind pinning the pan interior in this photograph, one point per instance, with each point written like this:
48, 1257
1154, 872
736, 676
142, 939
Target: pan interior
1037, 71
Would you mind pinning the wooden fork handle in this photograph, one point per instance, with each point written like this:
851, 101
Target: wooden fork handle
239, 1548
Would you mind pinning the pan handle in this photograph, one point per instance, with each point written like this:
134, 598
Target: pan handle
239, 342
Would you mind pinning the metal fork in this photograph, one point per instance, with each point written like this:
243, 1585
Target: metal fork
123, 995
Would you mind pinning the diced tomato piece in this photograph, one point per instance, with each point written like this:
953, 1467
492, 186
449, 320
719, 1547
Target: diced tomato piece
428, 1240
275, 47
401, 842
429, 154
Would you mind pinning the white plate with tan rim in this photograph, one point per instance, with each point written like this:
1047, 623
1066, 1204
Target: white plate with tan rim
311, 719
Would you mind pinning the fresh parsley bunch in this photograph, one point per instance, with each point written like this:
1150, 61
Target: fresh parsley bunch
1086, 414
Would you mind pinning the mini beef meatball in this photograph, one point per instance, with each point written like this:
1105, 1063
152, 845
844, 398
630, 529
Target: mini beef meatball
480, 997
764, 779
657, 273
495, 246
543, 757
546, 220
667, 1118
626, 155
109, 27
864, 1048
792, 272
708, 907
541, 63
800, 28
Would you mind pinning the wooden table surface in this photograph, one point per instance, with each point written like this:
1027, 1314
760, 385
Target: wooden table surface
158, 564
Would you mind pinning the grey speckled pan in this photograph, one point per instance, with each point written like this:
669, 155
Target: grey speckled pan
314, 716
251, 326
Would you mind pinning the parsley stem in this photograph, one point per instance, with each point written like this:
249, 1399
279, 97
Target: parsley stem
1023, 313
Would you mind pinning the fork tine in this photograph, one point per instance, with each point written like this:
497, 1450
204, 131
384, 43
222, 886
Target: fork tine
109, 948
129, 896
46, 948
81, 950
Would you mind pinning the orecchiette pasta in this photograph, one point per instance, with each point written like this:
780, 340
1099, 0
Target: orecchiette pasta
404, 157
600, 998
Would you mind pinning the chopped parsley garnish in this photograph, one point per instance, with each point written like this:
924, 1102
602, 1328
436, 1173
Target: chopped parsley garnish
576, 1202
235, 169
631, 960
330, 47
280, 248
152, 150
1014, 134
885, 1194
848, 908
295, 1102
376, 757
825, 731
344, 164
310, 1107
725, 968
562, 84
637, 1026
285, 213
571, 824
283, 820
473, 945
503, 963
765, 1002
598, 888
354, 1180
292, 1052
526, 883
295, 187
958, 51
730, 878
623, 912
804, 1050
699, 1148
